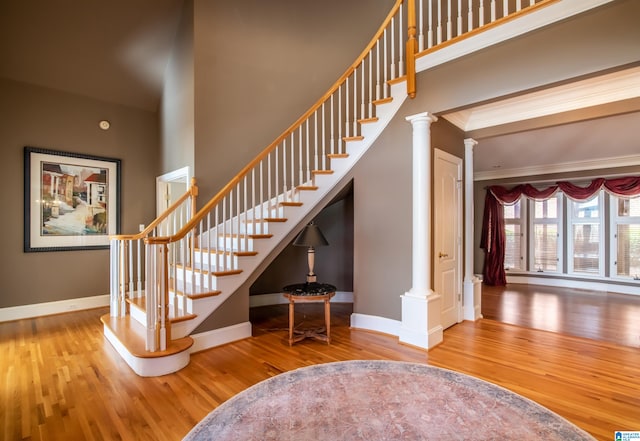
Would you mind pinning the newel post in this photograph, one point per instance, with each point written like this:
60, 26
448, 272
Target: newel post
411, 48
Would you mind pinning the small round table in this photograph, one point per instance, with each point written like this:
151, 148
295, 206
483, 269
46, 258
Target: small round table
310, 292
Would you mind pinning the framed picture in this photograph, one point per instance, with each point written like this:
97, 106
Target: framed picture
71, 201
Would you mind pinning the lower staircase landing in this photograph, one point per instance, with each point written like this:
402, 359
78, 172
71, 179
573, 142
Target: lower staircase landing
128, 336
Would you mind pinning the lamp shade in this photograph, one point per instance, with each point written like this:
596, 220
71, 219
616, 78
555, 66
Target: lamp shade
310, 236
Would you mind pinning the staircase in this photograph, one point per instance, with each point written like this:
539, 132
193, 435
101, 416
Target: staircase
167, 279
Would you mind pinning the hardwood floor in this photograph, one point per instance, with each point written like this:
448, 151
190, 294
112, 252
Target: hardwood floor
61, 380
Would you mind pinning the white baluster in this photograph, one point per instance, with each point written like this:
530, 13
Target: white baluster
449, 23
371, 96
363, 96
392, 70
315, 141
459, 28
268, 183
493, 11
301, 176
439, 25
347, 110
385, 65
401, 40
139, 266
339, 140
470, 17
307, 149
505, 8
420, 26
378, 88
333, 134
481, 13
284, 170
293, 164
277, 174
430, 26
324, 138
355, 102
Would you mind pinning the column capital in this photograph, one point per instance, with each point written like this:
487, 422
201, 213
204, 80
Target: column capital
420, 117
470, 142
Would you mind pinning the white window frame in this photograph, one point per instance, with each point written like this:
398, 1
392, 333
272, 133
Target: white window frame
614, 221
523, 235
559, 221
601, 247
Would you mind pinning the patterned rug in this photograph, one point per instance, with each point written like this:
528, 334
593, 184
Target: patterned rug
380, 400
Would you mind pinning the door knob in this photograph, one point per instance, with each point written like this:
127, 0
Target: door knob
441, 255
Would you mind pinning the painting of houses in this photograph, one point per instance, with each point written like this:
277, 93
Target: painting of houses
73, 199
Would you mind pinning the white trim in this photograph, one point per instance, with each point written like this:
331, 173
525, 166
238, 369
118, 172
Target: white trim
575, 284
376, 323
181, 175
48, 308
514, 28
595, 164
218, 337
148, 367
278, 299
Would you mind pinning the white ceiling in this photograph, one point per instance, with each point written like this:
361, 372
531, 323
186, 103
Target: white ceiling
519, 136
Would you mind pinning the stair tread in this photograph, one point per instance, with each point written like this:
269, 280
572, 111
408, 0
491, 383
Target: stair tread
225, 252
132, 335
141, 303
205, 271
382, 101
197, 291
291, 204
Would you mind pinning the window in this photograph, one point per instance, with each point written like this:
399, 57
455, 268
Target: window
515, 236
625, 242
546, 235
586, 244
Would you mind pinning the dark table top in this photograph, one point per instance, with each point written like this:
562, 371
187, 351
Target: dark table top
309, 289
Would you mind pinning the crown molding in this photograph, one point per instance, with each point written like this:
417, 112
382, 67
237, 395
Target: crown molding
595, 164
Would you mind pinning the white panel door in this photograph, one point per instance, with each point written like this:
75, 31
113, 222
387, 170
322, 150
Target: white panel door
447, 241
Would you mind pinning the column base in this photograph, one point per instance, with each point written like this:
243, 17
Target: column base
472, 299
421, 321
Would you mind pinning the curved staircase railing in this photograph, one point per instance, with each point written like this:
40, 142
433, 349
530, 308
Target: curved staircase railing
186, 258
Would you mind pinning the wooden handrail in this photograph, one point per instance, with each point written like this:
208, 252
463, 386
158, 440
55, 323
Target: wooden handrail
236, 179
192, 193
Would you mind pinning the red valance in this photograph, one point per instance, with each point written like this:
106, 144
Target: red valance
493, 234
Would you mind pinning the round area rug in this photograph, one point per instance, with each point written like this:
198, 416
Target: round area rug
380, 400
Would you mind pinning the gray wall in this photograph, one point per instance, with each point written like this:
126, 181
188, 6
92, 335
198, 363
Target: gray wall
260, 65
46, 118
177, 137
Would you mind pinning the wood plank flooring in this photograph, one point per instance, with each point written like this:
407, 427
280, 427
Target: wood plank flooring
61, 380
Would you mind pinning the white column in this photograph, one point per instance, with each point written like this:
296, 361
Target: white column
421, 243
472, 285
421, 323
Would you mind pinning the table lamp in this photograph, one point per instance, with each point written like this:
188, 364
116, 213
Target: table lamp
310, 237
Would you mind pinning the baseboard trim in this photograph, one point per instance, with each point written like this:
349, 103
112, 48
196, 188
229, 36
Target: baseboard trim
278, 299
217, 337
376, 323
575, 284
49, 308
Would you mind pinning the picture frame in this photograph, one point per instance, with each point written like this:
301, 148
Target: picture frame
71, 200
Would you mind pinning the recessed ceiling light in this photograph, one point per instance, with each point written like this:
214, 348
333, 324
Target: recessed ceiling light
104, 124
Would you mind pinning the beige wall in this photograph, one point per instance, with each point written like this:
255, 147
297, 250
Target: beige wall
46, 118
